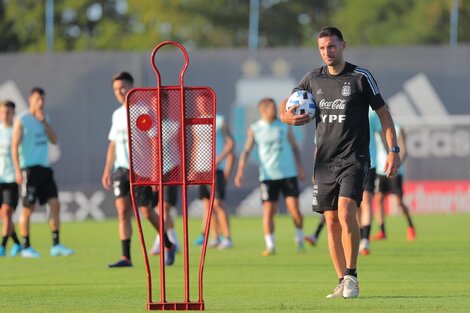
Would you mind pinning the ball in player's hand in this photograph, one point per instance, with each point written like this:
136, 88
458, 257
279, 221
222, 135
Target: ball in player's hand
304, 100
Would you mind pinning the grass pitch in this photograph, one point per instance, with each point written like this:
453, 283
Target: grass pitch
428, 275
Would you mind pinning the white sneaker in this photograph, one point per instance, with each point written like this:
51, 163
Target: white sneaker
351, 287
213, 243
225, 244
338, 293
155, 250
29, 253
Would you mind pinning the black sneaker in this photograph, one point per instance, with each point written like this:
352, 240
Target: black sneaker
123, 262
170, 255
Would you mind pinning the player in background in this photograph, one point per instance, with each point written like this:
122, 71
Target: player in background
170, 200
170, 123
117, 162
280, 165
364, 214
8, 185
313, 238
343, 93
392, 186
32, 133
216, 231
224, 163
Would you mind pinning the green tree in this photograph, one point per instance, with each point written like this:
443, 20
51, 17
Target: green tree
21, 25
140, 24
399, 22
201, 23
89, 24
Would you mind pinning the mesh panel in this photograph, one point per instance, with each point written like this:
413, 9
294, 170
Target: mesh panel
199, 135
143, 128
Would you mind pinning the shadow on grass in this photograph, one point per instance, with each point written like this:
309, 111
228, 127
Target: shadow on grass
409, 297
58, 284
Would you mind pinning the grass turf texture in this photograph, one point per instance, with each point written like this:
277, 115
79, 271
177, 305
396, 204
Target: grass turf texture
428, 275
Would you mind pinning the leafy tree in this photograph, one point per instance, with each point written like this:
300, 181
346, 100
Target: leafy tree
139, 24
21, 25
399, 22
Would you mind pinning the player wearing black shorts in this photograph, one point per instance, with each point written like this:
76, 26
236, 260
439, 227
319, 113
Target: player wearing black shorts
170, 199
392, 186
8, 185
220, 225
280, 165
117, 163
343, 93
31, 134
365, 212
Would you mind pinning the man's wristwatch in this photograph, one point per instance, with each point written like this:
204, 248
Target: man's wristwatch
395, 149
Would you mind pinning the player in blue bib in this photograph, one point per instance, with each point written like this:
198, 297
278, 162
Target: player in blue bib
279, 166
365, 209
32, 134
8, 185
220, 226
392, 186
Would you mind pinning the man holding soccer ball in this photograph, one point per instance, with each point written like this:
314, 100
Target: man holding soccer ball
343, 93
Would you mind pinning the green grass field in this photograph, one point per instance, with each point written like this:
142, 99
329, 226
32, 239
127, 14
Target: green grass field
428, 275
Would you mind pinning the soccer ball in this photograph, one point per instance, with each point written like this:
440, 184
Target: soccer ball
306, 103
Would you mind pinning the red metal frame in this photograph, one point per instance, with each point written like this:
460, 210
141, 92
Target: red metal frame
163, 304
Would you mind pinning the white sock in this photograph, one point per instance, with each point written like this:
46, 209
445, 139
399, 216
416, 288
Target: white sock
269, 240
172, 236
156, 243
299, 235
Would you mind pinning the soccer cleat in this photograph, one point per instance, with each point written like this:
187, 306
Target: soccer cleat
29, 253
410, 233
269, 252
351, 287
61, 250
15, 249
170, 255
213, 243
364, 247
379, 236
199, 240
300, 247
123, 262
338, 293
312, 240
226, 243
2, 251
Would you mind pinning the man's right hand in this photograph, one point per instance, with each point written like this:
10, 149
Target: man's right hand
238, 180
106, 180
40, 115
288, 117
19, 177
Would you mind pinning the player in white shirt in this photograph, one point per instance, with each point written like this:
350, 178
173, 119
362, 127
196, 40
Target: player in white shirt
8, 186
117, 163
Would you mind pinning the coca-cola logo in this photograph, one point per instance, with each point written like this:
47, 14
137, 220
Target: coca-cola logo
338, 104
